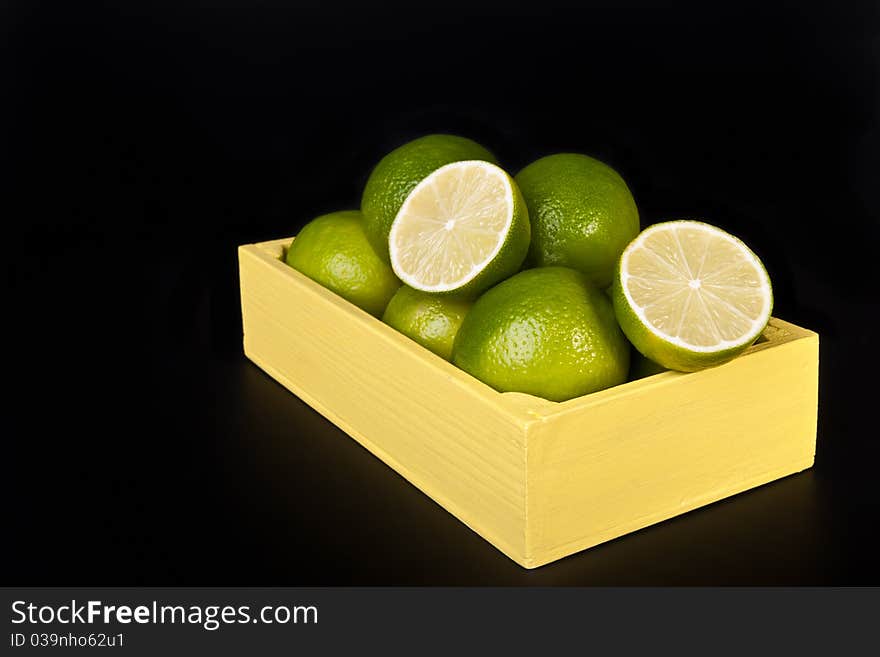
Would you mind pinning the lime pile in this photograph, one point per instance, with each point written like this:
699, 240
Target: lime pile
539, 283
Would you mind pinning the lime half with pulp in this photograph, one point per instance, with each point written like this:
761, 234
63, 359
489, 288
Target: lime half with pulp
462, 229
689, 295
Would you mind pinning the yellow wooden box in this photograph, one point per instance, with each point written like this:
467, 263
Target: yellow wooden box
539, 480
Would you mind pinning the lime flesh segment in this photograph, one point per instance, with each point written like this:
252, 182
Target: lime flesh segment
463, 228
689, 295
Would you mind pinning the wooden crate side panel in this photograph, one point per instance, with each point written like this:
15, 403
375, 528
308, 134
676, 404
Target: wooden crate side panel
521, 408
392, 396
668, 447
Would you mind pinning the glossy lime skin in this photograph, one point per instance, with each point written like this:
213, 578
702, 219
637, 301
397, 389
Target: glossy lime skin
333, 251
582, 213
431, 320
547, 332
400, 171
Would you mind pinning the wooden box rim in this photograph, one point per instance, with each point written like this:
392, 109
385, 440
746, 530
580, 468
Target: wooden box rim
527, 409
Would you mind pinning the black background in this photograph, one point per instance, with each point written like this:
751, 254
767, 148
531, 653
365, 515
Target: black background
142, 143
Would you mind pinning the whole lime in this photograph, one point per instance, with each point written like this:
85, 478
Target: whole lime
547, 332
400, 171
429, 319
582, 213
333, 251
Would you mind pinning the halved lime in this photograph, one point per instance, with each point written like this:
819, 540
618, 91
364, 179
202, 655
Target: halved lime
689, 295
462, 229
395, 176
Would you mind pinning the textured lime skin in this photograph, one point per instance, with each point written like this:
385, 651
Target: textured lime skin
663, 353
583, 214
546, 332
333, 251
400, 171
429, 319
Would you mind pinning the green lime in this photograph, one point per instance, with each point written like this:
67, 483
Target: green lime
689, 295
547, 332
582, 214
429, 319
462, 229
641, 367
333, 251
400, 171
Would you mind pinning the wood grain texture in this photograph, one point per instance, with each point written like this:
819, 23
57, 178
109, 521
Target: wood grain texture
404, 404
671, 443
537, 479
